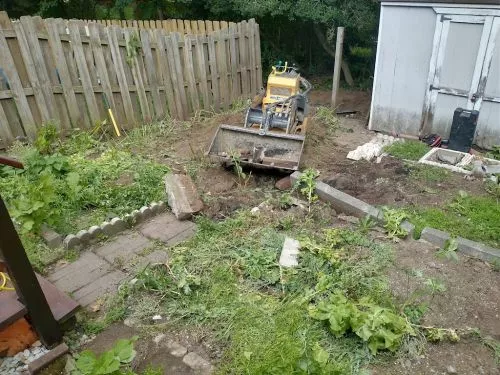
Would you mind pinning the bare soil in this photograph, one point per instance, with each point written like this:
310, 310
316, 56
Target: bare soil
471, 300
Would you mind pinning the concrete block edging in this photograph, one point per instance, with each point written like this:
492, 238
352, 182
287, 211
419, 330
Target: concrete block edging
113, 227
352, 206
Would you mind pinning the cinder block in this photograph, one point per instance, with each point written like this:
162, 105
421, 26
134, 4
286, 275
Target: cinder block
341, 201
409, 227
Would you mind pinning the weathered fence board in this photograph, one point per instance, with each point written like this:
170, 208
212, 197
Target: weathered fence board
69, 71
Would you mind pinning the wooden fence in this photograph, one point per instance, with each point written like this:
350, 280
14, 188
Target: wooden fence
173, 25
62, 71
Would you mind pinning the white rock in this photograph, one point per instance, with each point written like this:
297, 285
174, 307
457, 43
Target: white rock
159, 338
157, 318
290, 252
255, 211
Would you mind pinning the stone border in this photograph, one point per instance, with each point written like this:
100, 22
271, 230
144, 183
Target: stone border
350, 205
353, 206
471, 248
113, 227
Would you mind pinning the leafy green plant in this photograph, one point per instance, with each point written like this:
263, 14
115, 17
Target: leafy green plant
133, 46
410, 150
380, 327
243, 178
449, 250
112, 361
494, 153
366, 223
393, 219
47, 138
306, 184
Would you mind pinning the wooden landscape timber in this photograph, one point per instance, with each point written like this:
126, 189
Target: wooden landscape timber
55, 70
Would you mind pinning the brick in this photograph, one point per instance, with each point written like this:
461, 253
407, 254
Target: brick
183, 198
40, 363
341, 201
98, 288
81, 272
123, 248
284, 184
168, 229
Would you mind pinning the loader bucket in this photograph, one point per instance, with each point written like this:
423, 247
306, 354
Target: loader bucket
271, 151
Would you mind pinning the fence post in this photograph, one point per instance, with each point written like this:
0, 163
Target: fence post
338, 65
25, 282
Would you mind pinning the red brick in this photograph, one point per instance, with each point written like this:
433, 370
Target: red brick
284, 184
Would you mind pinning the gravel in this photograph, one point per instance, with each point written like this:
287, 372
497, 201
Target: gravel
19, 363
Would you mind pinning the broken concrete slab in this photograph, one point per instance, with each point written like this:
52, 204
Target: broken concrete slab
168, 229
471, 248
289, 253
343, 202
183, 198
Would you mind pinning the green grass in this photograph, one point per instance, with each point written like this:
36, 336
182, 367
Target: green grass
226, 281
409, 149
429, 173
476, 218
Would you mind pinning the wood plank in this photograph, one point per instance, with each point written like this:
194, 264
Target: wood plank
177, 76
62, 306
216, 25
75, 115
10, 71
180, 27
5, 132
152, 75
163, 63
32, 73
187, 27
120, 74
258, 56
224, 25
223, 69
47, 72
202, 71
100, 63
81, 62
209, 26
244, 58
189, 69
235, 84
201, 28
194, 27
212, 61
10, 309
139, 82
164, 24
253, 57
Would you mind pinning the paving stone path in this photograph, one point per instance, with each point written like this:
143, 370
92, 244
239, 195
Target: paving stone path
100, 269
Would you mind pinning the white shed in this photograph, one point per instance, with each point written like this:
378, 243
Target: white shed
433, 57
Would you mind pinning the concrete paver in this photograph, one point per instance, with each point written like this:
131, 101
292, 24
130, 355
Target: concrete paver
168, 229
101, 270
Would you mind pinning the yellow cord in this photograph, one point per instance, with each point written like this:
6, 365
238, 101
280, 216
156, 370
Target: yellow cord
4, 278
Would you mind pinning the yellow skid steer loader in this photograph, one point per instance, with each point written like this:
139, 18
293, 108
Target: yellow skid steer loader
274, 130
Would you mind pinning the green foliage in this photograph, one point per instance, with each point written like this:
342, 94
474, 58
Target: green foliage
392, 223
115, 361
133, 46
306, 184
46, 139
449, 250
429, 174
410, 150
366, 224
476, 218
380, 327
328, 117
494, 153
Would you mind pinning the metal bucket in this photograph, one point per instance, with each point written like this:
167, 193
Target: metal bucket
275, 150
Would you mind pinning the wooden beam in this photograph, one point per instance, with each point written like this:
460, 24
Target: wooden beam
26, 283
338, 65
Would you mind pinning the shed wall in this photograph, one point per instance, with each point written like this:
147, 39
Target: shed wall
404, 51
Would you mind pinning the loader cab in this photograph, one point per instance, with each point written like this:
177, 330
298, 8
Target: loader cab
281, 84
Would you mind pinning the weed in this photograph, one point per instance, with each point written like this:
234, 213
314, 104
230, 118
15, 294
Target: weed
429, 174
243, 178
449, 250
285, 201
494, 153
493, 188
366, 223
306, 184
392, 223
407, 150
328, 117
47, 138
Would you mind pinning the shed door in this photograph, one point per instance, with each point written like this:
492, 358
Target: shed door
459, 55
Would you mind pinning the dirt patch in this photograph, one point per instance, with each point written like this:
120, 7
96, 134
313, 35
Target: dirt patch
358, 101
470, 301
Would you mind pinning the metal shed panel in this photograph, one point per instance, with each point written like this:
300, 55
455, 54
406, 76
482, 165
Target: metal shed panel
403, 55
